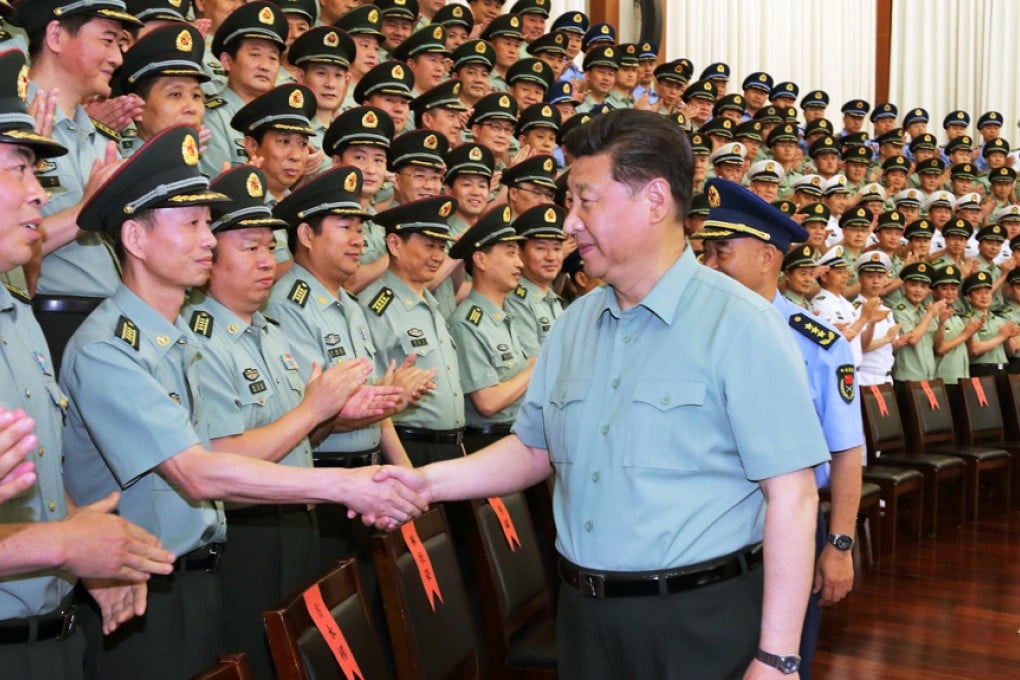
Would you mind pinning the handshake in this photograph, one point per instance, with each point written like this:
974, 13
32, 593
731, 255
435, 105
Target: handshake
388, 496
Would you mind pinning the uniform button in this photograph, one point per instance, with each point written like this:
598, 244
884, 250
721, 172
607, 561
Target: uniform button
665, 400
626, 338
42, 450
588, 526
3, 339
595, 477
615, 383
604, 429
28, 393
277, 381
53, 506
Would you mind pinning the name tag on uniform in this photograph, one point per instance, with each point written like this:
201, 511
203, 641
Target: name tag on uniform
257, 387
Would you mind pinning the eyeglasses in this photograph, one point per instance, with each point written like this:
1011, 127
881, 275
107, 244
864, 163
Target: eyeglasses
422, 178
505, 128
547, 194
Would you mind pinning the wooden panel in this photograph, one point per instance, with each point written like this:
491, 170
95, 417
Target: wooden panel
883, 42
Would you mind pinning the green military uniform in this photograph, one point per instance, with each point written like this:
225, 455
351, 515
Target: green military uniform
953, 366
533, 312
226, 145
993, 323
217, 74
799, 300
446, 296
914, 362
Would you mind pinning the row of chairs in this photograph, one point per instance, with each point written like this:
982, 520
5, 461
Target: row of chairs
925, 439
428, 613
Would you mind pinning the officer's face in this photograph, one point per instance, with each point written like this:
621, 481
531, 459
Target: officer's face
472, 194
883, 125
566, 109
855, 171
172, 100
573, 44
813, 113
20, 200
731, 171
430, 7
331, 10
526, 93
755, 98
367, 56
446, 122
895, 179
853, 123
626, 78
855, 237
919, 246
297, 25
949, 292
398, 108
800, 280
872, 283
600, 79
507, 50
494, 135
253, 71
645, 70
176, 246
527, 195
889, 238
541, 140
474, 80
429, 70
542, 259
1002, 190
980, 299
827, 163
909, 212
485, 11
835, 279
669, 92
939, 215
216, 10
93, 54
416, 260
499, 266
336, 249
455, 37
989, 249
395, 31
766, 191
413, 183
532, 26
990, 132
328, 82
371, 160
283, 155
784, 151
916, 291
242, 274
817, 233
956, 245
741, 259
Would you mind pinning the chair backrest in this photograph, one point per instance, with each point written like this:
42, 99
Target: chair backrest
300, 652
883, 426
931, 425
428, 644
1010, 393
512, 581
980, 414
228, 667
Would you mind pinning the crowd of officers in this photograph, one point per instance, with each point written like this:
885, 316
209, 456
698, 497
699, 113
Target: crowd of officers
388, 197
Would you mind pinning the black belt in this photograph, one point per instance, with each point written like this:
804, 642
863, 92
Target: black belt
501, 429
277, 510
74, 304
602, 585
424, 436
207, 559
346, 459
57, 625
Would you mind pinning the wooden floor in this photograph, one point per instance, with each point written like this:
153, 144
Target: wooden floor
947, 608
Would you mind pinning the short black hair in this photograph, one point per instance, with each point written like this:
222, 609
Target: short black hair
642, 146
314, 223
71, 24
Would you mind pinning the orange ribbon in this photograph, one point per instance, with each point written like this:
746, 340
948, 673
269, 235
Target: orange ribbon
979, 390
933, 402
422, 561
883, 410
331, 633
506, 523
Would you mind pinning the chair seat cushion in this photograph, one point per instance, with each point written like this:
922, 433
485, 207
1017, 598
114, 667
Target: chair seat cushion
889, 475
936, 461
870, 490
978, 453
534, 645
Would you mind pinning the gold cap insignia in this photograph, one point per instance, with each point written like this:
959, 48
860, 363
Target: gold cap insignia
475, 154
546, 111
480, 47
456, 89
446, 209
184, 42
558, 38
609, 52
894, 215
331, 39
537, 66
917, 112
727, 123
397, 72
175, 3
630, 49
713, 197
950, 270
400, 2
577, 18
548, 165
431, 142
604, 30
457, 12
828, 140
921, 268
515, 22
550, 216
23, 84
370, 120
504, 102
770, 167
789, 87
266, 16
819, 209
735, 149
567, 88
720, 69
189, 150
373, 16
875, 257
437, 32
351, 182
254, 185
506, 213
296, 99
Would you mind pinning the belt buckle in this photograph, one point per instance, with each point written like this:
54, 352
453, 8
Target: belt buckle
593, 585
69, 623
216, 554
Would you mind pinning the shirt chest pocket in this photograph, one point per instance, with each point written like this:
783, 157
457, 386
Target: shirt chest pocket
504, 359
421, 345
665, 422
255, 394
563, 418
58, 399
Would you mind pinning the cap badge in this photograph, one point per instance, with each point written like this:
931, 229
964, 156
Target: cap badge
254, 186
446, 209
550, 216
189, 150
437, 33
515, 22
184, 42
546, 111
457, 12
331, 39
266, 16
431, 142
548, 165
23, 84
480, 47
713, 197
506, 213
819, 209
373, 16
577, 18
296, 99
604, 29
875, 257
351, 182
397, 72
475, 154
537, 66
504, 102
370, 120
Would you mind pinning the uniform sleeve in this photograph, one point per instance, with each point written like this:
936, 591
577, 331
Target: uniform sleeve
838, 402
530, 423
476, 369
135, 425
219, 398
767, 400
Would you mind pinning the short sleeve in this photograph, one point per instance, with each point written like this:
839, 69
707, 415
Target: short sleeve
476, 369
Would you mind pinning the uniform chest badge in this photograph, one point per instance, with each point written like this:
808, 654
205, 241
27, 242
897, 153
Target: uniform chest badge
332, 339
41, 360
289, 362
845, 381
251, 374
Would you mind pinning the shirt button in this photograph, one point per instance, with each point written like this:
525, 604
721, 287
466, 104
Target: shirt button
604, 429
42, 450
28, 393
53, 506
595, 477
588, 526
626, 338
665, 400
615, 383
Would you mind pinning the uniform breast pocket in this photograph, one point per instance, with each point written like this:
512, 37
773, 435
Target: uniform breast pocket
562, 417
58, 399
663, 421
295, 383
420, 346
254, 396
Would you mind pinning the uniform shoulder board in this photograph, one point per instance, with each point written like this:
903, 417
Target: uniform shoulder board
214, 102
4, 35
299, 293
18, 293
270, 319
127, 331
900, 307
856, 304
821, 335
521, 292
381, 301
105, 129
475, 315
202, 323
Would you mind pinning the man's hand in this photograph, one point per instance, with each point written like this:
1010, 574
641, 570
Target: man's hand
44, 110
414, 381
327, 391
315, 159
834, 575
102, 545
118, 602
385, 503
102, 170
116, 113
17, 440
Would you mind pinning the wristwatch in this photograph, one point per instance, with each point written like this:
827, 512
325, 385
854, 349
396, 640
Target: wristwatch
841, 541
787, 665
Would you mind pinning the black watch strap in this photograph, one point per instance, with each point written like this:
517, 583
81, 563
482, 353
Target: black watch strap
786, 664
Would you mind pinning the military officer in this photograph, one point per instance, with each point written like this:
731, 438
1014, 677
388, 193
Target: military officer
149, 437
799, 276
362, 23
494, 370
492, 124
472, 63
575, 25
995, 337
953, 330
426, 56
534, 305
528, 80
441, 110
248, 44
530, 183
504, 34
600, 66
388, 87
405, 319
915, 359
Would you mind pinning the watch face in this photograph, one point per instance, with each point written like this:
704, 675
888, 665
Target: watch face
789, 664
841, 541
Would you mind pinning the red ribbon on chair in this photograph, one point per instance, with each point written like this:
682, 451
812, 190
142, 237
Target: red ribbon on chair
932, 400
331, 633
979, 390
506, 523
883, 410
422, 561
